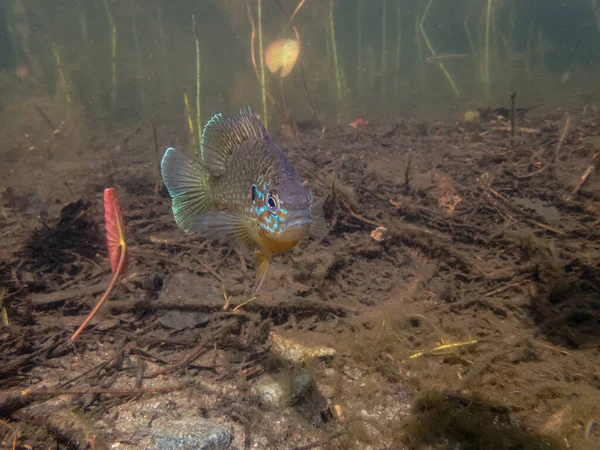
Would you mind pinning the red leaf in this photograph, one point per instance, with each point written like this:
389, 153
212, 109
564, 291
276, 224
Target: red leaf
115, 231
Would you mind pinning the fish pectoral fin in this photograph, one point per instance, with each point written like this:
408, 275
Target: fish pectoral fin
186, 180
246, 247
262, 258
221, 136
223, 225
318, 227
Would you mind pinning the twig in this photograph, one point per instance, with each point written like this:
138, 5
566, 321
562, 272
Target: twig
512, 114
85, 391
49, 300
194, 355
562, 138
522, 130
359, 217
310, 103
62, 421
296, 11
407, 174
442, 347
252, 51
159, 183
322, 442
532, 221
45, 117
504, 288
584, 177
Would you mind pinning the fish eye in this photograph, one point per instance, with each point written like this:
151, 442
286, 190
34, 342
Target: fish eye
253, 193
272, 203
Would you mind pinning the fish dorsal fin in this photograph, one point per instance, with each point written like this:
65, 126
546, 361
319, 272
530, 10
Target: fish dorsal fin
221, 136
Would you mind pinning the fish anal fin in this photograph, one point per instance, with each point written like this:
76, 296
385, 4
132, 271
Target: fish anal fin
262, 258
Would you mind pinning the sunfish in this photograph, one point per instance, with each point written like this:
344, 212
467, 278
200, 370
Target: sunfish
243, 190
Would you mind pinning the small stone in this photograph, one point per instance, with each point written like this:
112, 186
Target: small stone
282, 388
292, 349
180, 320
190, 434
379, 234
556, 421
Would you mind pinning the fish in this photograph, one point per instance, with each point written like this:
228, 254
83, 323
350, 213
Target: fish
242, 190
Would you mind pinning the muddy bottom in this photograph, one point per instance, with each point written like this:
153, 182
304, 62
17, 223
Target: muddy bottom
453, 304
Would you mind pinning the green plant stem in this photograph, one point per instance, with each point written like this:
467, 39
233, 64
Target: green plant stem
432, 51
262, 67
338, 76
198, 121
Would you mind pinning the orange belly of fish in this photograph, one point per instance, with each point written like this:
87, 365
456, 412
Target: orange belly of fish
276, 246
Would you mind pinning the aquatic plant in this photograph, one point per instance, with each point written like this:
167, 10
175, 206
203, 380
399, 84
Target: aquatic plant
117, 248
338, 75
280, 57
432, 50
198, 121
190, 121
113, 55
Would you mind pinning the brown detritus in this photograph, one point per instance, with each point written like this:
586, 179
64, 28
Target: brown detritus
57, 416
589, 169
468, 421
514, 268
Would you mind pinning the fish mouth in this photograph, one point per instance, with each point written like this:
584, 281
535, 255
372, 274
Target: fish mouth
297, 226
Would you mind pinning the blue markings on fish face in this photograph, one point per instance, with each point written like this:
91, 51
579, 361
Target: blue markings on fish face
266, 209
281, 208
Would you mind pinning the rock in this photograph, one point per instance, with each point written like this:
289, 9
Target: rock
188, 288
555, 423
299, 348
180, 320
282, 388
190, 434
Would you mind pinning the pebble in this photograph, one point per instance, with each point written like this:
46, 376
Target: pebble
282, 388
291, 349
190, 434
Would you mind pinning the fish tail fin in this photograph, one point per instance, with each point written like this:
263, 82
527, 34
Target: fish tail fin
221, 136
187, 182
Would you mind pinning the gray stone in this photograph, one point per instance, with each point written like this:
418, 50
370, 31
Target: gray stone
190, 434
282, 388
180, 320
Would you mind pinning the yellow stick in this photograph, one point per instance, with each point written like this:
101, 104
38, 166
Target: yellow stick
335, 59
197, 149
528, 51
487, 50
163, 52
113, 54
420, 47
86, 49
61, 74
138, 55
190, 120
443, 347
265, 117
596, 13
398, 45
359, 47
383, 50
